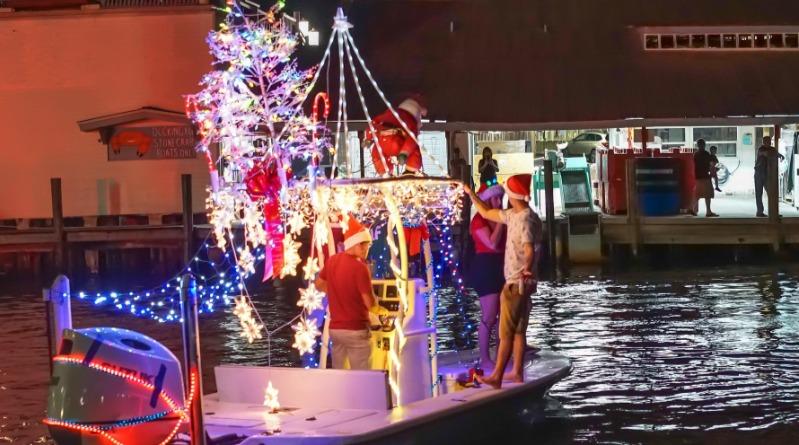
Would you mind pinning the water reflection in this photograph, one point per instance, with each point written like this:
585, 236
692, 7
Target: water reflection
689, 357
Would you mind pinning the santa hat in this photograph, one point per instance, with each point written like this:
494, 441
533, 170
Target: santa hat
518, 187
485, 192
355, 233
414, 105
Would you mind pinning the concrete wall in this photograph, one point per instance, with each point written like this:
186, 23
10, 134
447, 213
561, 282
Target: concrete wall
62, 67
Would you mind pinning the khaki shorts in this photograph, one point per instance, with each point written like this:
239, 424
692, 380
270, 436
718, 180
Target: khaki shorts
351, 347
514, 310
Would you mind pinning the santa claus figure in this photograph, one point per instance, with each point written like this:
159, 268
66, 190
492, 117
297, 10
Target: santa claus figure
392, 140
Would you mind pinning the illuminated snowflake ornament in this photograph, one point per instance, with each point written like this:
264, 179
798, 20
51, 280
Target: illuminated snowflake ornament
311, 298
305, 333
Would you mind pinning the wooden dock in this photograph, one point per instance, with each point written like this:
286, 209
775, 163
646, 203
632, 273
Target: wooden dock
699, 231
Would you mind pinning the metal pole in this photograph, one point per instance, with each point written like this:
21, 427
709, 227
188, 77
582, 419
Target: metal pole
58, 225
188, 218
549, 193
191, 356
59, 313
363, 163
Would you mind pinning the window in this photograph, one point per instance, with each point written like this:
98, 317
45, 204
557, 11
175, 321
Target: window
721, 38
724, 138
666, 137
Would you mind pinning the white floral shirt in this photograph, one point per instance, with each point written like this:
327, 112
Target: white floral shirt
523, 227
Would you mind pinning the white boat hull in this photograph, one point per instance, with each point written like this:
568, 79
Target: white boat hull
441, 416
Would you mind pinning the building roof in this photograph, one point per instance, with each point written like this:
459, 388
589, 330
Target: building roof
528, 64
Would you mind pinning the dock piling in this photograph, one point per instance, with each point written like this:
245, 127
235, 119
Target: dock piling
188, 221
633, 218
549, 192
60, 242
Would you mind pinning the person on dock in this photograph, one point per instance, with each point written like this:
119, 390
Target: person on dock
488, 167
486, 273
524, 232
764, 152
714, 173
703, 165
348, 284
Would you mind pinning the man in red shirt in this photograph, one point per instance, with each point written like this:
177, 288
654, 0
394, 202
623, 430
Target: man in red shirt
348, 284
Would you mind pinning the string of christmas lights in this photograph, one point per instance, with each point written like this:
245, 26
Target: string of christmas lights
217, 287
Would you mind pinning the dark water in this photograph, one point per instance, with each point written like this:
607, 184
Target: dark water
664, 358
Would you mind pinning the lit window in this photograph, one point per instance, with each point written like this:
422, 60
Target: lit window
744, 40
761, 40
730, 41
652, 41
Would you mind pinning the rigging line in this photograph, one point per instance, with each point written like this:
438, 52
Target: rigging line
391, 107
375, 138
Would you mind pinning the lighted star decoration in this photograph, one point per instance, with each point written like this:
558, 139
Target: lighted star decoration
310, 268
291, 256
311, 298
250, 328
270, 398
305, 333
296, 223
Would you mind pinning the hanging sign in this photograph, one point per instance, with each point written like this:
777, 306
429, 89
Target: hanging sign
152, 143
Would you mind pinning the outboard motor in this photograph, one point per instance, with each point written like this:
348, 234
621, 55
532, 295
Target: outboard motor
113, 385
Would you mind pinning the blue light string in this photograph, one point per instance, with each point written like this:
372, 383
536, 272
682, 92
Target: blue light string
162, 303
447, 262
117, 424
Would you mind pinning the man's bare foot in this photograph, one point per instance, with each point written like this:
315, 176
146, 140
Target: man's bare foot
491, 381
513, 377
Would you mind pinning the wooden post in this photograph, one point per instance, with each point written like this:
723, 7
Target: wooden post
644, 138
632, 208
563, 234
188, 218
58, 226
549, 193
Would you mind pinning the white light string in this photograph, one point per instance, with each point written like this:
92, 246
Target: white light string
388, 104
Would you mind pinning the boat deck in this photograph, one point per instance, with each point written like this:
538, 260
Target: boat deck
310, 425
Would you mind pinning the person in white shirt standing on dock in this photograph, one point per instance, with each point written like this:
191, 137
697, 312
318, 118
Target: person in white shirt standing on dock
524, 232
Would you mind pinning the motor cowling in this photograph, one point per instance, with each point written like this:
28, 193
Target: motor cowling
112, 384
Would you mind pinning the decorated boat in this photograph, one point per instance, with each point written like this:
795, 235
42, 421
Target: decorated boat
279, 179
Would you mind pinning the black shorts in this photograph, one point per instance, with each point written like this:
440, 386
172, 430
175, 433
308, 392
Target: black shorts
486, 275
